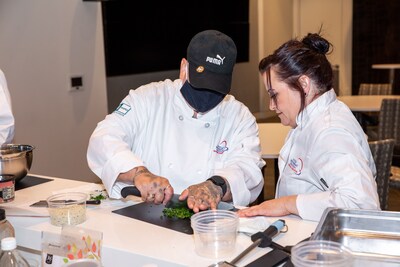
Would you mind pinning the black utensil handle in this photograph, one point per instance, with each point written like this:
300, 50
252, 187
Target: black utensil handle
93, 202
269, 233
130, 190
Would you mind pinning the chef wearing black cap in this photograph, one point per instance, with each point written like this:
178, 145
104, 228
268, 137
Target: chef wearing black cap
187, 136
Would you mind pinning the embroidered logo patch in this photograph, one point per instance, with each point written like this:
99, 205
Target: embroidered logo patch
221, 148
200, 69
123, 109
296, 165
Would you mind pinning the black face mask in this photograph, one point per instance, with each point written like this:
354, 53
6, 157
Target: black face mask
202, 100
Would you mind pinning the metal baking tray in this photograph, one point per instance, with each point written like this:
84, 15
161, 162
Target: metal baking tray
373, 236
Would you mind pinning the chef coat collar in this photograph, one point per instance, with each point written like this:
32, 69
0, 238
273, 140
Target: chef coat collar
315, 108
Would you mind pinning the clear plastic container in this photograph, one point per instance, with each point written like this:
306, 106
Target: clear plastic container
215, 233
10, 257
321, 253
67, 208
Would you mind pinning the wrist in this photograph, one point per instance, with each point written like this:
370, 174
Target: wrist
139, 170
220, 182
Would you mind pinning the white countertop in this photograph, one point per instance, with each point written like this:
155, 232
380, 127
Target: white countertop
126, 241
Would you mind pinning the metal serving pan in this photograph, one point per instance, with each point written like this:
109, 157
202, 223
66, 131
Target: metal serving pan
373, 236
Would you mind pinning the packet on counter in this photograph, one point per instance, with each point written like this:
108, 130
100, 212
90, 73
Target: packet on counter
253, 225
74, 245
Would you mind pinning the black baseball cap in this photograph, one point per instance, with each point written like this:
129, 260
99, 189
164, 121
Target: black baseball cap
211, 55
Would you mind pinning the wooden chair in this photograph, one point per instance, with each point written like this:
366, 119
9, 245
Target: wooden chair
382, 151
375, 89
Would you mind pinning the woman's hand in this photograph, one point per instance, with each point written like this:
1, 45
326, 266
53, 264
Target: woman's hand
274, 207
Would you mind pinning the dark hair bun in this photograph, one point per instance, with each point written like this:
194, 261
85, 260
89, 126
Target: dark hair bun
315, 42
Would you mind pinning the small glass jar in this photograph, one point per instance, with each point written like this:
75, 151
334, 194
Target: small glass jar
7, 188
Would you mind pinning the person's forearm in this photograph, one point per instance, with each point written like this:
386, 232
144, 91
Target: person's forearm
129, 176
290, 204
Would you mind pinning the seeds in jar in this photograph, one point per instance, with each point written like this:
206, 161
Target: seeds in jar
67, 215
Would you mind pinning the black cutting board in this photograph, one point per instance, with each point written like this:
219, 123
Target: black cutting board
273, 258
29, 181
153, 214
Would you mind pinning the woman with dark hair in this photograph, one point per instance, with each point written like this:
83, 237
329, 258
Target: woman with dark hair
326, 160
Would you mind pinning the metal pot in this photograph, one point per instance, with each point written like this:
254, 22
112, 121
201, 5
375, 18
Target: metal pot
15, 161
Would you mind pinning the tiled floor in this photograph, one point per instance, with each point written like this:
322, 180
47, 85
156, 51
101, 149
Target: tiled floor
269, 188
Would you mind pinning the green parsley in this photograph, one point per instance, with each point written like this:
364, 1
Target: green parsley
178, 212
98, 197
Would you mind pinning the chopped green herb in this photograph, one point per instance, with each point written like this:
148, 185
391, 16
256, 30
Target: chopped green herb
179, 212
98, 197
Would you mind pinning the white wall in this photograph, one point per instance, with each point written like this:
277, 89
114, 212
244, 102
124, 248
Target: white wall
335, 17
281, 20
43, 43
275, 28
245, 82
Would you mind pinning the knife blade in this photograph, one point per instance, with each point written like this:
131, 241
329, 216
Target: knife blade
174, 202
43, 203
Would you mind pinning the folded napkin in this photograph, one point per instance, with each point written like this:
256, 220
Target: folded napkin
253, 225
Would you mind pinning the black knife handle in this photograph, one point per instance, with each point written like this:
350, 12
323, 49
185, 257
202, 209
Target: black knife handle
130, 190
93, 202
269, 233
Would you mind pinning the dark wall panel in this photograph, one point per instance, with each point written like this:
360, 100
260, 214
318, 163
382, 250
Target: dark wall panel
376, 40
150, 36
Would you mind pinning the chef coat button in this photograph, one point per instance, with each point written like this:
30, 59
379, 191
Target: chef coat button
198, 172
181, 118
207, 125
170, 165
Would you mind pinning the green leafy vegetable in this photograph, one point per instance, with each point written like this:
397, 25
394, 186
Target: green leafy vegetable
178, 212
98, 197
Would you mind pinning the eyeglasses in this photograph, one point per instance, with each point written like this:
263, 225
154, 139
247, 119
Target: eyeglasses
272, 94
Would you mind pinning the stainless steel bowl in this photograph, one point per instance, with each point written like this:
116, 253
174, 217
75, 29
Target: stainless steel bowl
15, 161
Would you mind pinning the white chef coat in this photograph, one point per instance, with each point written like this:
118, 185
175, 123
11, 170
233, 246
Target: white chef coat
6, 115
153, 126
328, 143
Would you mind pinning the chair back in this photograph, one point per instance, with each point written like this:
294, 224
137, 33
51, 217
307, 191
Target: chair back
389, 120
382, 152
375, 89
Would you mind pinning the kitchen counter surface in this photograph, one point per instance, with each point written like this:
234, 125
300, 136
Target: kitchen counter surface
126, 241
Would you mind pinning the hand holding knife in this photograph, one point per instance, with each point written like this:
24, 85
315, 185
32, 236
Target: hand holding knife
132, 190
